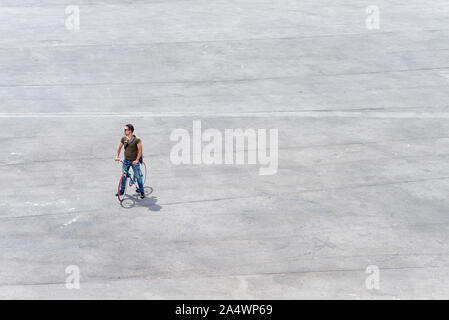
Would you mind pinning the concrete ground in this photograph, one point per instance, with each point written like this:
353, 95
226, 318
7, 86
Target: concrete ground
362, 115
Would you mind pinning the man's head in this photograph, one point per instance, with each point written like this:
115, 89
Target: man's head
129, 129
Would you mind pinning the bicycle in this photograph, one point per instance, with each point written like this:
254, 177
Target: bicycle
132, 180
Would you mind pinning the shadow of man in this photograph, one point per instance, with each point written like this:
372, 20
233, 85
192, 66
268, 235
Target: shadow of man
148, 202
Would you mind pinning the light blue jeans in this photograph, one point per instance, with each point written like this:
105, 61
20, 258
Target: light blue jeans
137, 173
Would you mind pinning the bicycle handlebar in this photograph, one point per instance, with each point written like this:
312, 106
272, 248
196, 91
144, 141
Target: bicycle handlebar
121, 161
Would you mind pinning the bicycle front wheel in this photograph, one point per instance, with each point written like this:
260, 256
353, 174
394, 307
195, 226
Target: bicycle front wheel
122, 181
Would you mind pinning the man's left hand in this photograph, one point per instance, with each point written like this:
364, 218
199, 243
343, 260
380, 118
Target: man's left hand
136, 162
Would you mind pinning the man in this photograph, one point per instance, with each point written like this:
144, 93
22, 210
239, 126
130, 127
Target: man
133, 154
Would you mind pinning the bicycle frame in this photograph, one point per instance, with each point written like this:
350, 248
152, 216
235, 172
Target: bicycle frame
134, 178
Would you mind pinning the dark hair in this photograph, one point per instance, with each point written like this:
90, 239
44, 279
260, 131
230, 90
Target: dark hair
130, 127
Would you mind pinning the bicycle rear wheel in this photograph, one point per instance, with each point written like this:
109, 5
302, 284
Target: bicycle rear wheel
121, 197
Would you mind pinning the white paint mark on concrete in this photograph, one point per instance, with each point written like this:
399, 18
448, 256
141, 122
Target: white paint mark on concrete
46, 203
352, 294
70, 222
268, 114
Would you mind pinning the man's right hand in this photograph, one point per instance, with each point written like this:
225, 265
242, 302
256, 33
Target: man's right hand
117, 159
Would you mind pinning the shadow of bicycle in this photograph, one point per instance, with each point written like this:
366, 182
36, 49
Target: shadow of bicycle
132, 201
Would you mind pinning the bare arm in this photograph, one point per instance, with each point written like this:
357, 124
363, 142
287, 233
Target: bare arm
119, 149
